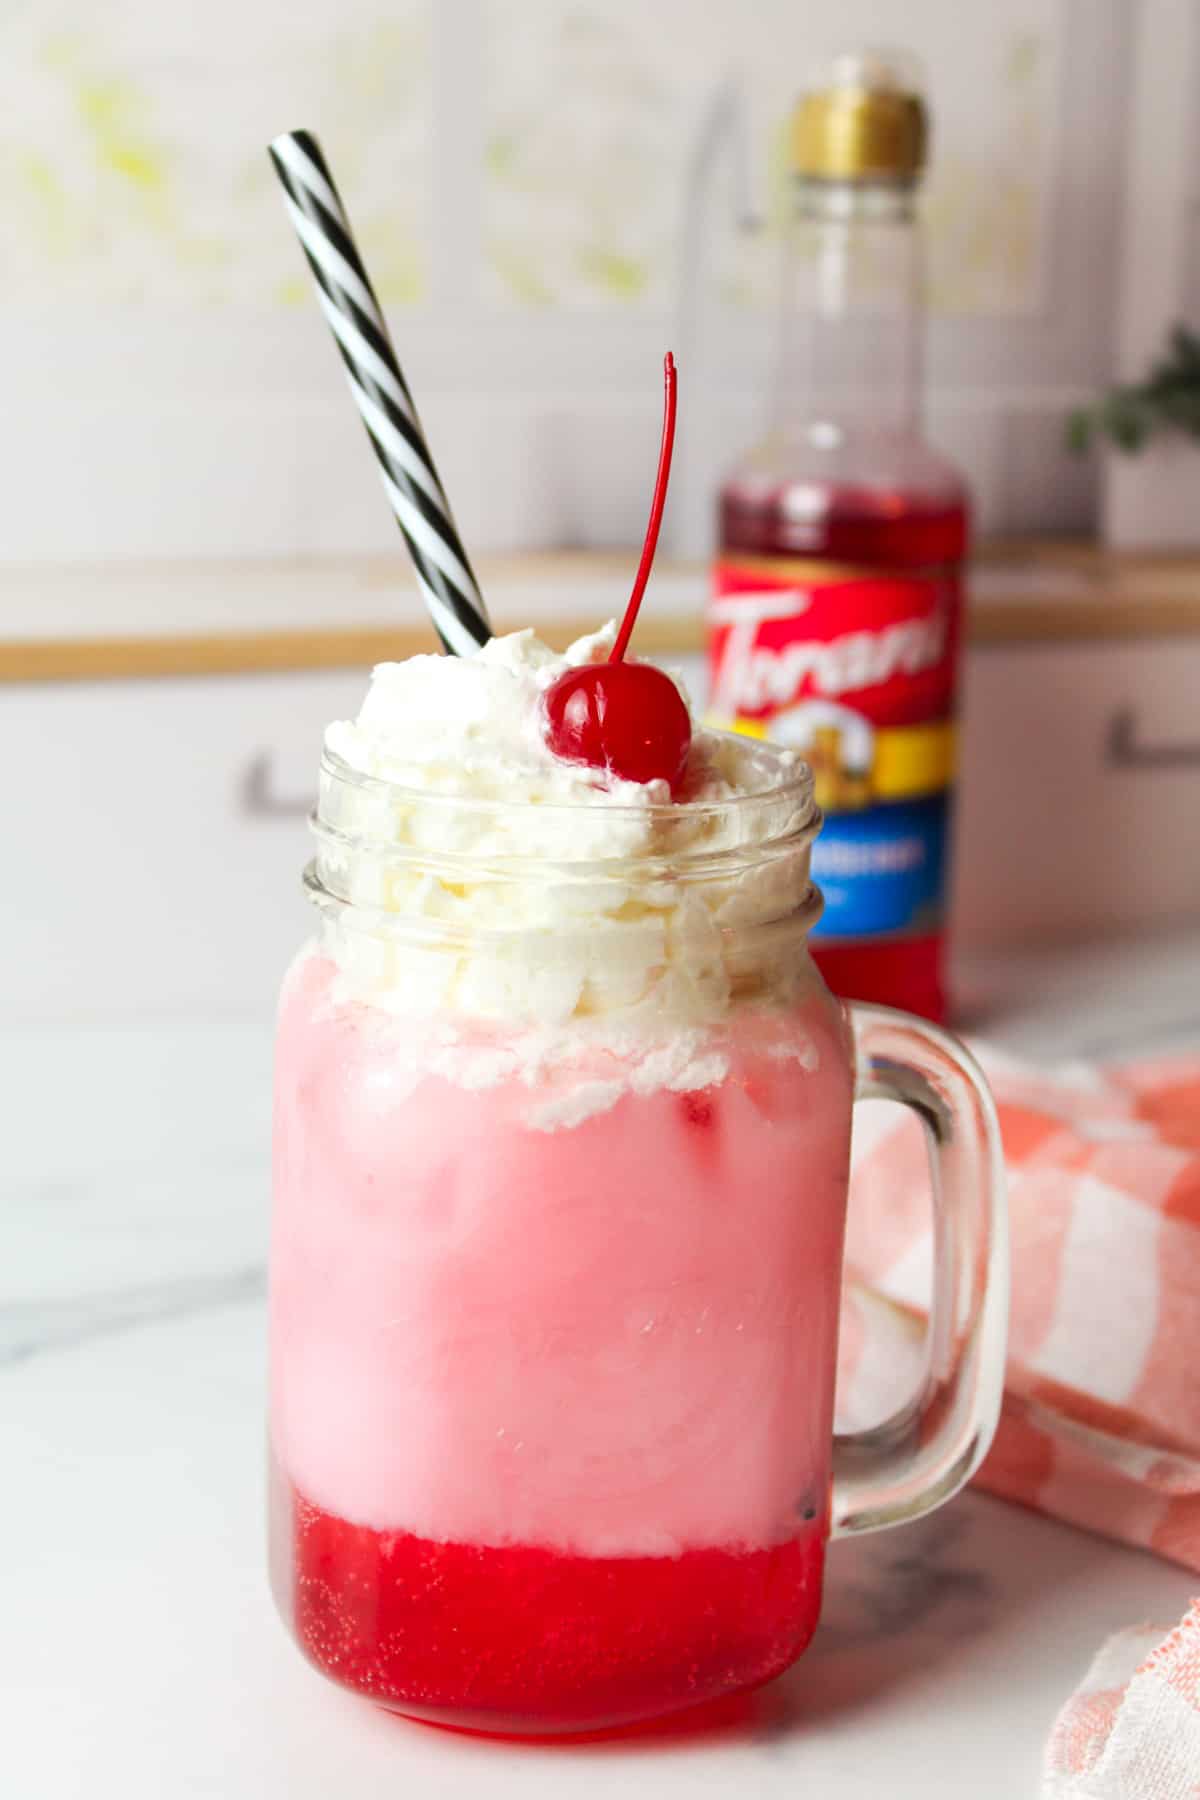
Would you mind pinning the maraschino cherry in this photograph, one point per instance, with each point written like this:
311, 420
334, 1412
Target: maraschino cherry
626, 717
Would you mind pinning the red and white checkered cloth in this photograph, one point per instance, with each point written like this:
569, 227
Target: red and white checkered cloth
1101, 1417
1133, 1728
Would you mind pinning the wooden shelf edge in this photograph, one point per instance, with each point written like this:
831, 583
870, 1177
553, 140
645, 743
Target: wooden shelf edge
992, 622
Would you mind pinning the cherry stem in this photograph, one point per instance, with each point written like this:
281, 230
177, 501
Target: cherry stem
656, 512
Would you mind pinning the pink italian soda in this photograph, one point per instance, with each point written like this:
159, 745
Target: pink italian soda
562, 1138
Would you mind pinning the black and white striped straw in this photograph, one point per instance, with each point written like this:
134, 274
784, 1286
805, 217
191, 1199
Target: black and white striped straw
381, 394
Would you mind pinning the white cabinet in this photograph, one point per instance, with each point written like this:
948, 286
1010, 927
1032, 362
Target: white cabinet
149, 868
1080, 793
155, 830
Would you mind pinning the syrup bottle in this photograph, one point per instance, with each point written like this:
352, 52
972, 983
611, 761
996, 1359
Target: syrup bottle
836, 609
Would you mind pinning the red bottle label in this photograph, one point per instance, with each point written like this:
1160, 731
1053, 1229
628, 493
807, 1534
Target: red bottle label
855, 667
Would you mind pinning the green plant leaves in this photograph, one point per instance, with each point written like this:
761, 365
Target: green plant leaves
1168, 399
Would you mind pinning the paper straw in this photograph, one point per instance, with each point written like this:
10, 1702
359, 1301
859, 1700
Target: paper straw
381, 394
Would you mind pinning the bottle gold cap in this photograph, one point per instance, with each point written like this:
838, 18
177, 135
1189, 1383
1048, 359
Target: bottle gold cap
865, 123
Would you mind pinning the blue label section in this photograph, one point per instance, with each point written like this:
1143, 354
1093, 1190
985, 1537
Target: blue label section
881, 870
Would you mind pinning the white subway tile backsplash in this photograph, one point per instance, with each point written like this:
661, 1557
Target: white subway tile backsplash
522, 173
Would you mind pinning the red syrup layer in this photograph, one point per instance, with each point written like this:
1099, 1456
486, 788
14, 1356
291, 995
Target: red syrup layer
526, 1640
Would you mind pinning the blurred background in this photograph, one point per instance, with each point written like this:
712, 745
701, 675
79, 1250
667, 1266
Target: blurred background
545, 190
197, 563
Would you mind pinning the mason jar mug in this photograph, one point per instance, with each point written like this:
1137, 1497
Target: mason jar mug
561, 1156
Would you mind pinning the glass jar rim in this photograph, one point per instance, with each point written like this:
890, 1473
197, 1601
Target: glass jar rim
406, 861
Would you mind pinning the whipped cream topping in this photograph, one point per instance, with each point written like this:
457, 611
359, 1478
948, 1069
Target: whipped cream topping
473, 727
470, 876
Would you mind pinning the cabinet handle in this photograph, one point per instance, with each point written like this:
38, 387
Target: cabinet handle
257, 800
1122, 750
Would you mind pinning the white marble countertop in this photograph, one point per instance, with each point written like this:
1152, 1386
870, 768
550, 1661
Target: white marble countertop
139, 1656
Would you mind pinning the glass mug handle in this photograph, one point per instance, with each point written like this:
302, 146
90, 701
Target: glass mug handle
923, 1454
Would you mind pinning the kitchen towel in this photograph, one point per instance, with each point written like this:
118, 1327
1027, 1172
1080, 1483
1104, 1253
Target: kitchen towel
1132, 1731
1101, 1417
